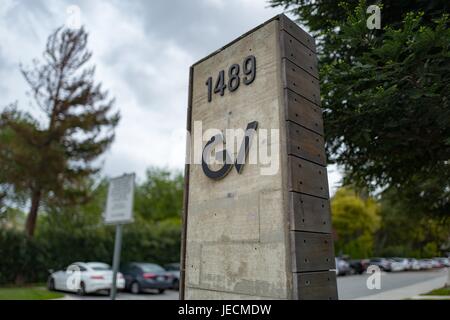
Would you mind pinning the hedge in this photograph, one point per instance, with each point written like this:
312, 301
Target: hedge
28, 260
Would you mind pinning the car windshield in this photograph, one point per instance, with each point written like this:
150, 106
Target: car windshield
99, 266
172, 267
151, 268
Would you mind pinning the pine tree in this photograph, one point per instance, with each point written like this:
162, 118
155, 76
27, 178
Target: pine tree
51, 159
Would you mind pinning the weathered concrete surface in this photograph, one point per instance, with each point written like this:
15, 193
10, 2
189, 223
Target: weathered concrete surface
236, 244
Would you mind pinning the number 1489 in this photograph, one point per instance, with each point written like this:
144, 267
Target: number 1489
248, 70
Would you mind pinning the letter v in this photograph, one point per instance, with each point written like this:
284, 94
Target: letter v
245, 146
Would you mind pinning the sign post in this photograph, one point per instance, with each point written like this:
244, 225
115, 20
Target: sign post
119, 211
116, 259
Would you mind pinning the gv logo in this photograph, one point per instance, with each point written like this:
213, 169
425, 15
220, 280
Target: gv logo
225, 156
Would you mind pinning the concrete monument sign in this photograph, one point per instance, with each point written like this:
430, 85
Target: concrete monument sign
257, 214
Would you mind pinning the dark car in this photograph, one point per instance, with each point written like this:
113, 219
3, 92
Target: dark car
358, 266
382, 263
140, 276
174, 270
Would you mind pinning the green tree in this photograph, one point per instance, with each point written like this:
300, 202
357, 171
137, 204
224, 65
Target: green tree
14, 154
323, 18
51, 160
355, 222
386, 96
409, 233
160, 196
154, 235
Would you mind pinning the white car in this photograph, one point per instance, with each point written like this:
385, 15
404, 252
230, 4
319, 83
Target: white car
396, 265
399, 264
414, 264
85, 277
425, 264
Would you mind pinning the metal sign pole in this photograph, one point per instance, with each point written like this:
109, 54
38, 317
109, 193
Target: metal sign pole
448, 277
116, 259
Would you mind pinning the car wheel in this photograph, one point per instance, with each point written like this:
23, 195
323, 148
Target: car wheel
161, 291
176, 284
82, 289
135, 288
51, 284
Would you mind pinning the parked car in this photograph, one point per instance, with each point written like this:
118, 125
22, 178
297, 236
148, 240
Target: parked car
85, 277
358, 266
342, 267
445, 262
140, 276
383, 263
174, 270
437, 263
425, 264
414, 264
399, 264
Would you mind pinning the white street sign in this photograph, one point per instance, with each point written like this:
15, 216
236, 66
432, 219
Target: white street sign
119, 205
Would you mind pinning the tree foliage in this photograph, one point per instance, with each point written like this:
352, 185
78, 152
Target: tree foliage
77, 233
408, 233
385, 95
50, 160
322, 16
159, 196
355, 222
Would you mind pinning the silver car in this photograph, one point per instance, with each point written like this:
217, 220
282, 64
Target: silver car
174, 270
426, 264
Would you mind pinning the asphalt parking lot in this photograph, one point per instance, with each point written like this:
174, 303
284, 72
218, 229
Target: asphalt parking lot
167, 295
404, 284
349, 287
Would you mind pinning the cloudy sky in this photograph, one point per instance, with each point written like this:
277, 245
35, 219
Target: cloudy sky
142, 50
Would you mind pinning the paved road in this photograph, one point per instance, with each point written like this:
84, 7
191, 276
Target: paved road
394, 285
167, 295
354, 287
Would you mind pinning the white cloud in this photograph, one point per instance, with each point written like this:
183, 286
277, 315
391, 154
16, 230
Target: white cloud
142, 50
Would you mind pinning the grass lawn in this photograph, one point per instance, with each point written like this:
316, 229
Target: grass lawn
439, 292
28, 293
